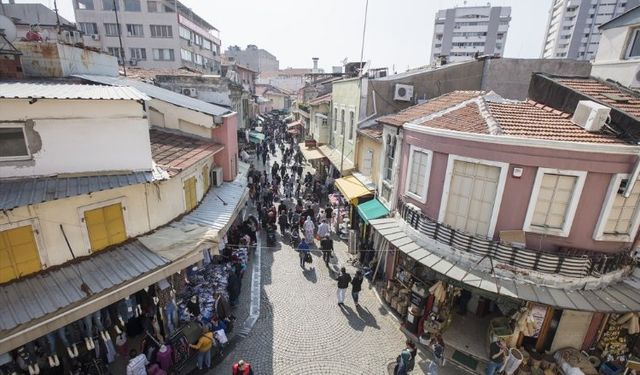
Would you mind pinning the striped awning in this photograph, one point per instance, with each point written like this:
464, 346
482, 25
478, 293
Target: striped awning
616, 297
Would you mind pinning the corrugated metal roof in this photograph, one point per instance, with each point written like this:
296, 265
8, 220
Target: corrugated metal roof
618, 297
23, 90
47, 292
159, 93
22, 192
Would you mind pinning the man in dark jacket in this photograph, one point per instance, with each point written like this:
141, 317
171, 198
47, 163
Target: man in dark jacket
356, 286
343, 284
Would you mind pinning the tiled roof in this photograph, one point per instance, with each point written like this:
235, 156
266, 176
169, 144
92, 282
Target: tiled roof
174, 152
519, 119
373, 131
432, 106
321, 99
606, 93
27, 90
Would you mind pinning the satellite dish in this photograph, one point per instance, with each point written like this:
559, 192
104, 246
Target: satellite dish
7, 29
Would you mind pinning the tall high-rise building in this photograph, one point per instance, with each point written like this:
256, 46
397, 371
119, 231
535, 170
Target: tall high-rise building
460, 33
155, 34
572, 30
254, 58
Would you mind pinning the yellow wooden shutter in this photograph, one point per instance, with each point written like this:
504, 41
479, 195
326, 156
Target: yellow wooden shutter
18, 253
190, 197
105, 226
205, 177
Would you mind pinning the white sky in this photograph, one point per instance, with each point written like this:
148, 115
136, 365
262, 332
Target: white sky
398, 34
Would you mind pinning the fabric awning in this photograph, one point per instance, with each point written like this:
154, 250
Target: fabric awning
256, 137
372, 209
351, 188
617, 297
335, 157
310, 153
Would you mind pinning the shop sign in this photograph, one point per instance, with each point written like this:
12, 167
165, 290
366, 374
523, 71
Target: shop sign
538, 313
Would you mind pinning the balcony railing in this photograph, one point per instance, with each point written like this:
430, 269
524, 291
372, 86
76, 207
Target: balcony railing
566, 262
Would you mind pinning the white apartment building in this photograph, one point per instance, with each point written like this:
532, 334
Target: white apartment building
460, 33
572, 30
154, 33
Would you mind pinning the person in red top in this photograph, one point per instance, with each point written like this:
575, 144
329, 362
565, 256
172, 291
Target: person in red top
242, 368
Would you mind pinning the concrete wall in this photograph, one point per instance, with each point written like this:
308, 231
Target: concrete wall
146, 207
517, 191
53, 60
227, 134
345, 96
277, 101
76, 136
368, 144
319, 132
166, 115
610, 62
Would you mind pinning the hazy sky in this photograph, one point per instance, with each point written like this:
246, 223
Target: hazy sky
398, 33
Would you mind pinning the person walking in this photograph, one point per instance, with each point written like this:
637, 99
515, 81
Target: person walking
137, 363
303, 250
326, 245
283, 221
241, 368
309, 228
203, 346
343, 284
356, 286
497, 356
402, 363
323, 229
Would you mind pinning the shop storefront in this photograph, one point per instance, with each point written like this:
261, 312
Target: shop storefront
457, 297
354, 192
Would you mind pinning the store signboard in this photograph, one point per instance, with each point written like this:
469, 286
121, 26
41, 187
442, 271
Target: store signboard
538, 313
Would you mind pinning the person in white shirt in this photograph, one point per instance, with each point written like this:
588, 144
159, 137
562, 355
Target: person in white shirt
323, 229
137, 364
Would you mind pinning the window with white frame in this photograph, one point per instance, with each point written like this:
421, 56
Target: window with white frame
184, 33
88, 28
138, 53
132, 5
620, 215
111, 29
84, 4
108, 4
13, 143
163, 54
554, 201
186, 55
351, 121
161, 31
135, 30
116, 51
206, 44
418, 174
342, 122
633, 51
389, 156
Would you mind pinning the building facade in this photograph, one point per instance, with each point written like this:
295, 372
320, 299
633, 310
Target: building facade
619, 50
464, 32
572, 29
257, 59
155, 34
35, 17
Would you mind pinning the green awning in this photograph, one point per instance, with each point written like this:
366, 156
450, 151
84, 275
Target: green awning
372, 209
256, 137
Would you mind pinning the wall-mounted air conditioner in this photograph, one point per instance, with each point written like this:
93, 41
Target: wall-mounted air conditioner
189, 92
216, 175
590, 116
95, 37
403, 92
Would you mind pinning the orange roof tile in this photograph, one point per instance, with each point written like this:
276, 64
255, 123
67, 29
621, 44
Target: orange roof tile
466, 119
326, 98
174, 152
605, 93
432, 106
373, 131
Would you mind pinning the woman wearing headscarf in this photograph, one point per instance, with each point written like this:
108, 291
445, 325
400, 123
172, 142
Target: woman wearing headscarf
309, 227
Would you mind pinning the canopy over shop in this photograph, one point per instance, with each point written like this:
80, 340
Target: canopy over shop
431, 290
343, 165
310, 153
256, 137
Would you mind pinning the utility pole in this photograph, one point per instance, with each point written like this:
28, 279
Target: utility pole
122, 54
55, 9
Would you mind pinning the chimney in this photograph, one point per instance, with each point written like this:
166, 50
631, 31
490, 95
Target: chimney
315, 64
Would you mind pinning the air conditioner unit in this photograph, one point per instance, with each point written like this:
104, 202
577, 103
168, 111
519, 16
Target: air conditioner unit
590, 116
95, 37
189, 92
216, 176
635, 81
133, 62
403, 92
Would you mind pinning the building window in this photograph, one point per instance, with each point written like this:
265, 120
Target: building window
161, 31
186, 55
620, 215
554, 201
163, 54
390, 155
206, 44
138, 53
633, 51
190, 197
132, 5
19, 253
184, 33
418, 173
115, 51
159, 7
13, 143
206, 181
351, 120
112, 29
88, 28
108, 4
135, 30
342, 122
84, 4
105, 226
